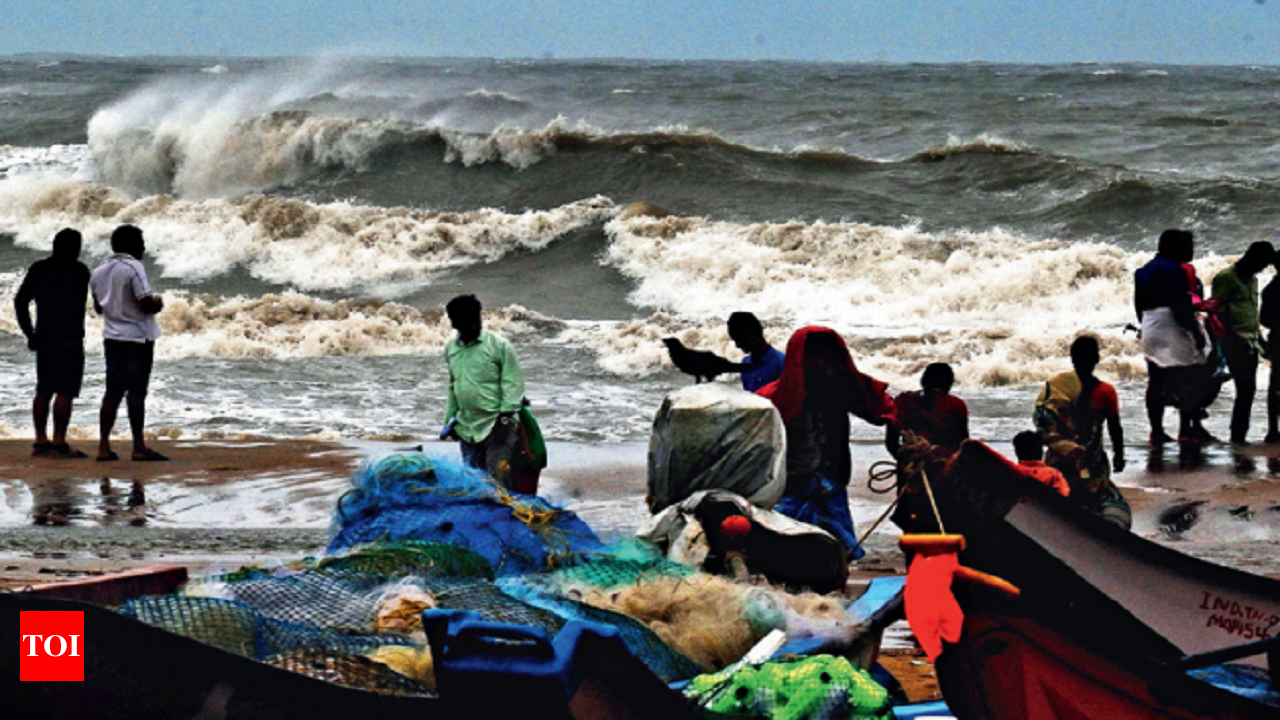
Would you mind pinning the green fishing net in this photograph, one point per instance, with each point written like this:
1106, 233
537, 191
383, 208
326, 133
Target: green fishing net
822, 687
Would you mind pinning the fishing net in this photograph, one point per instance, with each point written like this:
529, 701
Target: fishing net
822, 687
1244, 680
665, 662
417, 533
416, 497
410, 557
627, 563
676, 618
240, 629
358, 671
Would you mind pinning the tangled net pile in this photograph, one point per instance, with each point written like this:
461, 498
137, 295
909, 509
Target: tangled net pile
416, 532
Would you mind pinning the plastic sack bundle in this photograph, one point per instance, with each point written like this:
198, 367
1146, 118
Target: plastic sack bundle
417, 497
715, 436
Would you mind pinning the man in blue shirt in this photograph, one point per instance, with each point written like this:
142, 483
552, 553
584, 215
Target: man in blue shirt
766, 361
1171, 336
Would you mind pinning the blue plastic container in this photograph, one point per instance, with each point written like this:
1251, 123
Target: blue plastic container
922, 710
516, 661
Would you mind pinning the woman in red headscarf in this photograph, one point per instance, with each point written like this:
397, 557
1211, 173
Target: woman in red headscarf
818, 390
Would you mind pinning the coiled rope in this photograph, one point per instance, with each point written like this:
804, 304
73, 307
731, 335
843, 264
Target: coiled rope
916, 449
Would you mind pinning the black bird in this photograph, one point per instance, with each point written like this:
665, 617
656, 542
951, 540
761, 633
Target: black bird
701, 364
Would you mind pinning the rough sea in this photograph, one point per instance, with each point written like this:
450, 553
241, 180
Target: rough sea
306, 219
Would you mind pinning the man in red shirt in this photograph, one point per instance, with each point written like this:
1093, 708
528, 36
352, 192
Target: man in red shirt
1029, 449
932, 412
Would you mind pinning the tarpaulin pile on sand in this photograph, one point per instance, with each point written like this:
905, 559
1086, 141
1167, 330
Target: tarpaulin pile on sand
716, 437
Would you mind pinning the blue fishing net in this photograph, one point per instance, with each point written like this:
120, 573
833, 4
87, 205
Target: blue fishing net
417, 497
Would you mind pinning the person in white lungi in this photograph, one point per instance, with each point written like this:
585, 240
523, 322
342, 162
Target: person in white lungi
1172, 335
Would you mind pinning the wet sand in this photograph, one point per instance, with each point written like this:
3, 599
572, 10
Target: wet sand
70, 517
227, 502
196, 461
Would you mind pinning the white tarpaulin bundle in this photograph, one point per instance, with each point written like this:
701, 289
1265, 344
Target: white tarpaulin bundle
714, 436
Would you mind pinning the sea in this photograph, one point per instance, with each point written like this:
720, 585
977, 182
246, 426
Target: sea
307, 219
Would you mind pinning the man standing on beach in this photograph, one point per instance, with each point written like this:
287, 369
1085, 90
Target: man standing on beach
486, 391
765, 360
123, 296
59, 285
1171, 336
1236, 288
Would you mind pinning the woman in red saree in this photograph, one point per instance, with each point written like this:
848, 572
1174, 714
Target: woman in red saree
819, 388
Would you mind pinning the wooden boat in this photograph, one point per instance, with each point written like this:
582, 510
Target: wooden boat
1108, 624
134, 670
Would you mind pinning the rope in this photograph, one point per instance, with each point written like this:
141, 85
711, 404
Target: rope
879, 520
929, 491
879, 472
542, 523
916, 448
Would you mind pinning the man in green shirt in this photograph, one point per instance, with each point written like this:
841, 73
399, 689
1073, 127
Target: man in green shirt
486, 390
1236, 288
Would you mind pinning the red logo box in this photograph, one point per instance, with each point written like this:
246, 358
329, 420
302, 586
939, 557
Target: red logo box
52, 645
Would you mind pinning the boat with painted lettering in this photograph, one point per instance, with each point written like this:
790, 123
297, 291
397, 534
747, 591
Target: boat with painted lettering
1107, 625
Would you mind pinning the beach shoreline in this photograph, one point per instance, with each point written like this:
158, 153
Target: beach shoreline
222, 503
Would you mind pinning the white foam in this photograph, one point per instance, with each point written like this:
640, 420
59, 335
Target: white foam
1001, 308
66, 160
334, 246
292, 324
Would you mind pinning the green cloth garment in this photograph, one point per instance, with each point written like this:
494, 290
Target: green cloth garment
484, 380
1239, 303
533, 436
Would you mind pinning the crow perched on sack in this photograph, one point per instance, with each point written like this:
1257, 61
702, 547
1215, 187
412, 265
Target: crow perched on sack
700, 363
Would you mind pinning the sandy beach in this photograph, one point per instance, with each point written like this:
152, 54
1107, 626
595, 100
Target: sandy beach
227, 502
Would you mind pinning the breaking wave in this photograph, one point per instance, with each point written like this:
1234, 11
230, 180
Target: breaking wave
1002, 309
982, 145
308, 246
295, 325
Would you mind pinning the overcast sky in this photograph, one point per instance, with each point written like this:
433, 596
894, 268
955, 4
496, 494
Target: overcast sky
1159, 31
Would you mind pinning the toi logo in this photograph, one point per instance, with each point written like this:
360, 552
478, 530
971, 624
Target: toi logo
52, 645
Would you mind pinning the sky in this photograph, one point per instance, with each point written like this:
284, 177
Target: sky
1035, 31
